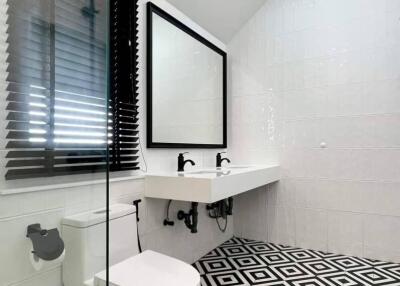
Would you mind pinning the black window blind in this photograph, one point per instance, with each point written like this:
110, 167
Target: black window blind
124, 83
60, 117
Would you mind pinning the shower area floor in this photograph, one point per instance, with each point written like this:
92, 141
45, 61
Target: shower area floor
241, 261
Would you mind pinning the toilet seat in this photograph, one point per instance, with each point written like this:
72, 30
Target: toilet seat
150, 268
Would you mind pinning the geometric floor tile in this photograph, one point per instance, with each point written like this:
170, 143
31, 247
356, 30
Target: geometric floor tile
245, 262
347, 263
274, 258
375, 263
213, 265
262, 248
291, 271
235, 250
260, 276
229, 278
342, 279
214, 254
391, 268
320, 267
374, 276
300, 255
308, 282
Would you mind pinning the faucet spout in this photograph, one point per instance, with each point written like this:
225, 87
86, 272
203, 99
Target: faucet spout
182, 162
189, 161
220, 160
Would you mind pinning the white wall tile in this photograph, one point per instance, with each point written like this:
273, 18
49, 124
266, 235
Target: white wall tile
281, 224
343, 195
250, 218
51, 277
382, 237
381, 198
345, 233
312, 229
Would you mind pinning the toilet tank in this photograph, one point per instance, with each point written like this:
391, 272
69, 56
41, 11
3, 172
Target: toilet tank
84, 236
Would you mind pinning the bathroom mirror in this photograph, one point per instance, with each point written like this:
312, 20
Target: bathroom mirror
186, 86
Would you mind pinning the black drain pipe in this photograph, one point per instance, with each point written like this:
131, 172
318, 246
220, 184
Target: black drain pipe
190, 218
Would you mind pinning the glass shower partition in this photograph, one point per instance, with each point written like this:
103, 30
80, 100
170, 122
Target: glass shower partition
55, 135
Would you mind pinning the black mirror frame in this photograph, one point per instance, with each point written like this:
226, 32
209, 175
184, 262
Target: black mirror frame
152, 8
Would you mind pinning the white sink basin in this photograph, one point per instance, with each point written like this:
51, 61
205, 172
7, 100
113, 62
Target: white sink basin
209, 185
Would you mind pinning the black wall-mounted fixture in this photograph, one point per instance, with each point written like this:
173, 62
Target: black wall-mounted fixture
219, 159
182, 162
47, 244
190, 218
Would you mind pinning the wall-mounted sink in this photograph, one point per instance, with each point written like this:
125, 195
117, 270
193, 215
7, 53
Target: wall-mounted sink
209, 185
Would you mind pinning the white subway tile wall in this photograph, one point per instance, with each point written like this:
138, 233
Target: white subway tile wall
321, 78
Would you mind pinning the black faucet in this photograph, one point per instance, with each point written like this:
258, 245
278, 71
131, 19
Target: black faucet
182, 162
220, 160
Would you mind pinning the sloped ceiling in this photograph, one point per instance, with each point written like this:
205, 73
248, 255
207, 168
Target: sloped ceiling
222, 18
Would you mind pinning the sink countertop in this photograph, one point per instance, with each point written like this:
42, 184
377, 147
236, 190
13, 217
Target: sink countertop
209, 185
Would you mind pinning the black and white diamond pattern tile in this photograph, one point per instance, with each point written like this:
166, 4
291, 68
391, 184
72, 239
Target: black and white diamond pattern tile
213, 265
391, 268
214, 254
320, 267
301, 255
315, 281
341, 279
247, 262
347, 263
291, 271
261, 276
262, 248
235, 250
228, 278
375, 277
274, 258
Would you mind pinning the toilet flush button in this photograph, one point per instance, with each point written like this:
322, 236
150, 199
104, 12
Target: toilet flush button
323, 145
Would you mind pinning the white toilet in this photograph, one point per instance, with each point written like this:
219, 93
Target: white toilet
85, 260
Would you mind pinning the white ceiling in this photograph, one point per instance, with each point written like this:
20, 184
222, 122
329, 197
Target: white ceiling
222, 18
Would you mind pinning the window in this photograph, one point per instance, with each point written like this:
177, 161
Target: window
60, 118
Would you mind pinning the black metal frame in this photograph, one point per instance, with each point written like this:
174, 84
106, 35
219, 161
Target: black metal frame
151, 8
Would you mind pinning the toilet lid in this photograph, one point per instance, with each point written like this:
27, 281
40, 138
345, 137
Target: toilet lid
150, 268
